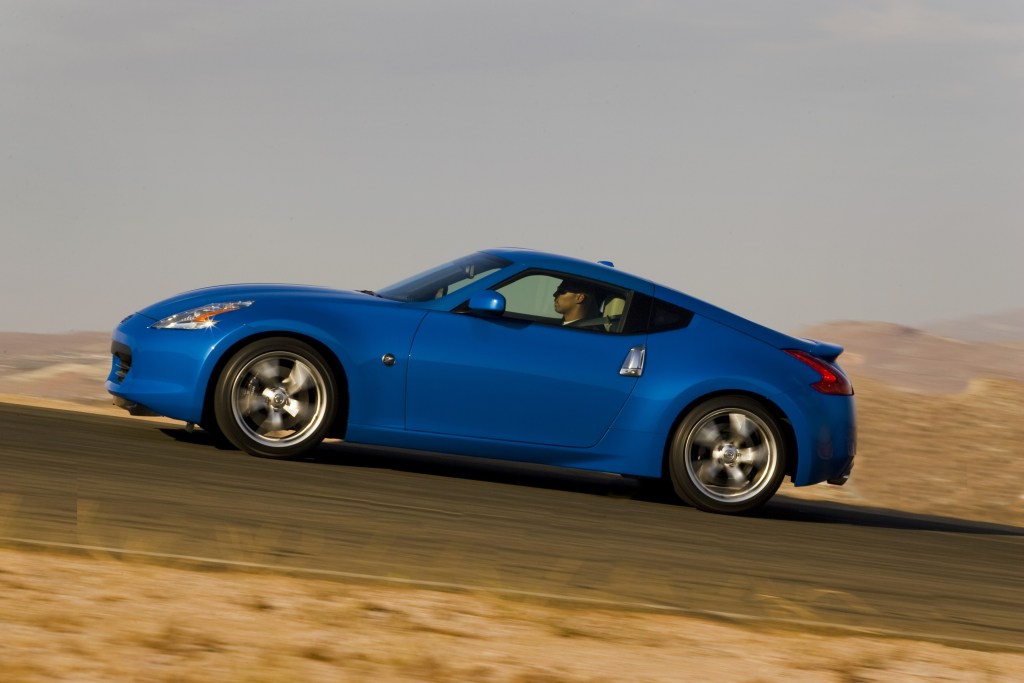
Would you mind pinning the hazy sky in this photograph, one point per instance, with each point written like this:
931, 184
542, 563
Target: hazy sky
795, 162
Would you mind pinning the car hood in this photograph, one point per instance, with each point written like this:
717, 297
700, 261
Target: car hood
227, 293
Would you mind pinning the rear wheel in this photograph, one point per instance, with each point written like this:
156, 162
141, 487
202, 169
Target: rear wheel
727, 456
276, 398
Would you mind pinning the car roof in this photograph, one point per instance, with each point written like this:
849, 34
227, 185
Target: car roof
529, 258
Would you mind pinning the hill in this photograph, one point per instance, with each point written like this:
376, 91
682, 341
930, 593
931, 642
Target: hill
1007, 326
913, 359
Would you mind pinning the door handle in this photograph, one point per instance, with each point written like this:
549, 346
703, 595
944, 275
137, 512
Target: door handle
633, 366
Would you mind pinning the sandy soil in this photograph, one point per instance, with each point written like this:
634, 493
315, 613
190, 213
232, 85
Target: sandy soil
95, 618
99, 619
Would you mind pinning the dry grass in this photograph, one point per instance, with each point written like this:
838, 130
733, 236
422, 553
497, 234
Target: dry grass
90, 619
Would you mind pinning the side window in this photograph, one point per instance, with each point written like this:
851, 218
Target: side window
560, 299
531, 297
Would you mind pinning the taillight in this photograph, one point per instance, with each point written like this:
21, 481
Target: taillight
832, 381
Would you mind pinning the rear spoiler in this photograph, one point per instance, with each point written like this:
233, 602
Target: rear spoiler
823, 350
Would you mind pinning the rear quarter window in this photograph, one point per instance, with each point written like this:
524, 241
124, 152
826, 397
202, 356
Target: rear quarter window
647, 314
666, 316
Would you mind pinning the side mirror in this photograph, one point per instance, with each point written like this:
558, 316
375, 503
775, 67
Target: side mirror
487, 303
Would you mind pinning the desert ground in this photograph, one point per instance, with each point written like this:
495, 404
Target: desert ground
941, 428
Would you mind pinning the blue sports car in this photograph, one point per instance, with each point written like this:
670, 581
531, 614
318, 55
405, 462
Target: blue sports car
505, 353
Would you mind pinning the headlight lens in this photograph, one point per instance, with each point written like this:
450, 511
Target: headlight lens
199, 318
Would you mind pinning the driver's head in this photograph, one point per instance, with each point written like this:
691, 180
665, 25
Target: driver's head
574, 299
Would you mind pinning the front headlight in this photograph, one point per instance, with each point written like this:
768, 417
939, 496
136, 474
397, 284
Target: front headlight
199, 318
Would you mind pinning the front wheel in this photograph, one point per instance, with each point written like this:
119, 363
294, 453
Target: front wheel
276, 398
727, 456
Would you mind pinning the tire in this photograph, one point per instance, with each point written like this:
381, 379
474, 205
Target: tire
276, 398
727, 456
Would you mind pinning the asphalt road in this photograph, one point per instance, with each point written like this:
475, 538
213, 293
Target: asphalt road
128, 484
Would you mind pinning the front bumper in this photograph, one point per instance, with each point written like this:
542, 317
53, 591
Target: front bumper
161, 372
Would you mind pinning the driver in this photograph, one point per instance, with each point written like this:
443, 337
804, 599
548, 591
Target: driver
577, 303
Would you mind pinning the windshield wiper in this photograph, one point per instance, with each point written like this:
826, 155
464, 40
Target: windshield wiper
370, 292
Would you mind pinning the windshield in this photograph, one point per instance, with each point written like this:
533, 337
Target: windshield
444, 279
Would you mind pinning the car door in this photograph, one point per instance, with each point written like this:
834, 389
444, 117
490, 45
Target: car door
519, 377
